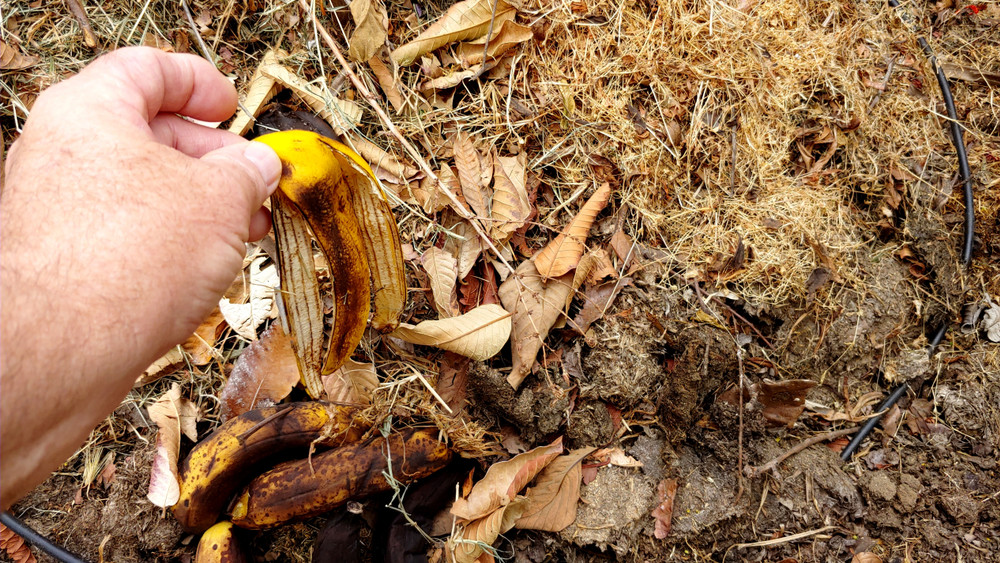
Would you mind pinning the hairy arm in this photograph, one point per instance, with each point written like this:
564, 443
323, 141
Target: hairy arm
121, 224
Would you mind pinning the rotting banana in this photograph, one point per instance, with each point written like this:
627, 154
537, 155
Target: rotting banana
329, 193
309, 487
219, 545
249, 444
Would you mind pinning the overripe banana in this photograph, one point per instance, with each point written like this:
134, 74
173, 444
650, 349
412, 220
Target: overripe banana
329, 193
219, 545
253, 442
308, 487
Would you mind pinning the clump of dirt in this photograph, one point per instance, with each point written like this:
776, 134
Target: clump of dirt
538, 412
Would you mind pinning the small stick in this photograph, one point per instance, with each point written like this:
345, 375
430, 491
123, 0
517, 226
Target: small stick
373, 102
752, 471
785, 539
89, 39
739, 472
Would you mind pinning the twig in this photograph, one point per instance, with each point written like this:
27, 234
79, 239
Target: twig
785, 539
489, 33
373, 102
739, 472
89, 39
197, 36
752, 471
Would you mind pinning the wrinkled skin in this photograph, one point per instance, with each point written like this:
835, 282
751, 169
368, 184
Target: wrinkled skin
121, 225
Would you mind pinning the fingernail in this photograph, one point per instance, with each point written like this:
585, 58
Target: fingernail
266, 161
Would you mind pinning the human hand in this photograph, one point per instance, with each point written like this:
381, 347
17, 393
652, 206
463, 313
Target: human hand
121, 225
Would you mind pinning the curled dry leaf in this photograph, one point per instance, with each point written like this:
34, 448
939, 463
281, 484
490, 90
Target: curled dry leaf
564, 252
866, 557
387, 82
535, 305
463, 21
509, 35
369, 34
466, 249
552, 501
352, 383
264, 374
504, 480
271, 76
597, 300
173, 416
511, 207
245, 318
617, 456
478, 334
472, 175
168, 363
442, 268
11, 58
386, 166
664, 512
466, 544
784, 401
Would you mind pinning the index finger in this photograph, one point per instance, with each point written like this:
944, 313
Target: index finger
149, 81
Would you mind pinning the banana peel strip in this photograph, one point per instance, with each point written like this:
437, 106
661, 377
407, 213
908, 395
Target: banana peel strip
328, 193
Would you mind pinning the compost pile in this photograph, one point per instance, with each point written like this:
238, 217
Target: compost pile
690, 235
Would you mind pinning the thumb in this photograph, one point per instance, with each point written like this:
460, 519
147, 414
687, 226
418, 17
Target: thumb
250, 170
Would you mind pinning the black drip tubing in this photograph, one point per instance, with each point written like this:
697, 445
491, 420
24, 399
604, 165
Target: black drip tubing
41, 542
967, 236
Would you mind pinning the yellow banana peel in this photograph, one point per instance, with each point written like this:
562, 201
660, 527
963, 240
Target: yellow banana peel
329, 194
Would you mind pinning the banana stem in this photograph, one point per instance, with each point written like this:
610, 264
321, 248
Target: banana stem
370, 98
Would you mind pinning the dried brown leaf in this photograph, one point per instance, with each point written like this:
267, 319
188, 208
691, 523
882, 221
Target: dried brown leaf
173, 416
664, 511
467, 246
271, 76
597, 300
784, 401
11, 58
478, 334
369, 35
387, 82
265, 373
200, 346
469, 162
535, 305
167, 364
555, 494
442, 269
866, 557
463, 21
246, 317
503, 481
507, 35
467, 544
617, 457
511, 207
352, 383
564, 252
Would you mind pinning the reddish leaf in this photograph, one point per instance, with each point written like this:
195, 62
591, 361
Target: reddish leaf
784, 401
266, 372
664, 511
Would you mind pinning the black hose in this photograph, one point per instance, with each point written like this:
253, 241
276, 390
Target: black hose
873, 421
959, 142
969, 231
41, 542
